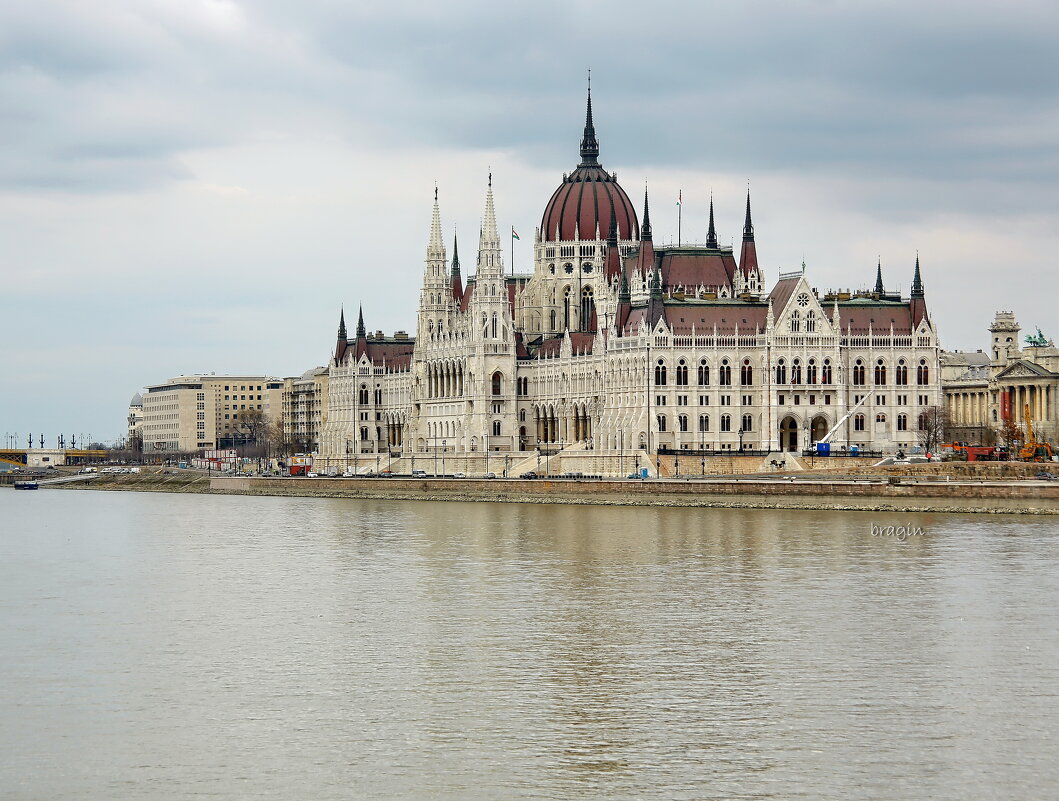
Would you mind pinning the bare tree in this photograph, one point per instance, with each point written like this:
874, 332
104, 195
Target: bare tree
1010, 434
933, 427
253, 423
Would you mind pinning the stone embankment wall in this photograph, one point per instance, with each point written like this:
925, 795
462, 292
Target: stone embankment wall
868, 495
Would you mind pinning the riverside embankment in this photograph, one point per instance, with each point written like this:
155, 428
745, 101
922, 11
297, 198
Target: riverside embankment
865, 494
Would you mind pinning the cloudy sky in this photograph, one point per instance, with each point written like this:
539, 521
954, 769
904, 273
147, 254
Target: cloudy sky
198, 185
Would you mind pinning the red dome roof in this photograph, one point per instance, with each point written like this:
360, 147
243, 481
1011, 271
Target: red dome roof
588, 197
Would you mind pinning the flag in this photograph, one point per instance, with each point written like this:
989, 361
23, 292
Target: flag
679, 195
514, 235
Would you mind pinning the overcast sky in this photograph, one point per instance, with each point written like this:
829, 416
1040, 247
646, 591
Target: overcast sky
198, 185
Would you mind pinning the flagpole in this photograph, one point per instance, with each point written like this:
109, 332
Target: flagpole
680, 212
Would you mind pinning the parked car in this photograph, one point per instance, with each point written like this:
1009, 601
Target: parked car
386, 473
489, 475
459, 475
530, 474
349, 474
312, 475
1044, 475
419, 474
87, 470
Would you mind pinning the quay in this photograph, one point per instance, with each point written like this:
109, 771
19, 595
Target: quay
866, 493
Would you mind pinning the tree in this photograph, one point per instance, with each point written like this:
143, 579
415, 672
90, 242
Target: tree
1010, 434
253, 423
933, 427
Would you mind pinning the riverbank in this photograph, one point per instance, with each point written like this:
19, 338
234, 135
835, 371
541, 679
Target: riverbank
870, 494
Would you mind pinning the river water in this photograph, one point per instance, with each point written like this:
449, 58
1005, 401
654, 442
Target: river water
182, 646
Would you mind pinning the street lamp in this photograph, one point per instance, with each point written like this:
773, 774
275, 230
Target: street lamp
741, 432
443, 443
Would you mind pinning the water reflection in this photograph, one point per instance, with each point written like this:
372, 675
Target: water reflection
282, 648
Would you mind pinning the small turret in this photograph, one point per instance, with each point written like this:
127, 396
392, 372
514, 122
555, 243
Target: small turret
711, 234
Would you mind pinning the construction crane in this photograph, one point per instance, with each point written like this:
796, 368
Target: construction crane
826, 437
1032, 450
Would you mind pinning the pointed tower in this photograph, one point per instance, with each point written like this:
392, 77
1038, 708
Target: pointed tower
878, 278
456, 278
362, 335
343, 341
748, 265
434, 296
918, 303
589, 143
711, 234
613, 264
645, 260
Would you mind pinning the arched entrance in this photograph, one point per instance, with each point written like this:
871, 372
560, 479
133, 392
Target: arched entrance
819, 428
788, 434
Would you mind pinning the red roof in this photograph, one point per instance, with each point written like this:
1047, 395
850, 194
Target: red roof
585, 200
692, 269
681, 318
856, 317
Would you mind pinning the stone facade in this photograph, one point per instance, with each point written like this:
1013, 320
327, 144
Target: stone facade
1011, 380
614, 344
196, 412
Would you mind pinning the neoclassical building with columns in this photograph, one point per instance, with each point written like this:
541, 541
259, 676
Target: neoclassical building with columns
1013, 380
615, 343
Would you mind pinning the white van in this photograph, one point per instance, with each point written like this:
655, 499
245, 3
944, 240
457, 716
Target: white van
419, 474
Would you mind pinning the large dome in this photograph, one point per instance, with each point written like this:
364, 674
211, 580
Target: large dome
589, 197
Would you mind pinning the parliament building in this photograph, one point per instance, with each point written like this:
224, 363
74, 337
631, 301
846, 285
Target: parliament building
616, 344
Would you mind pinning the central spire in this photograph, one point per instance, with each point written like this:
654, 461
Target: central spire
645, 228
589, 143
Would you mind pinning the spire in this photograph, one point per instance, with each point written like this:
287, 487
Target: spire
748, 226
436, 245
342, 325
878, 278
489, 231
624, 295
917, 281
361, 332
711, 234
656, 285
645, 229
613, 265
455, 257
589, 143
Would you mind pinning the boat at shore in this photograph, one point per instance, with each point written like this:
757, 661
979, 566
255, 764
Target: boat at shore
27, 485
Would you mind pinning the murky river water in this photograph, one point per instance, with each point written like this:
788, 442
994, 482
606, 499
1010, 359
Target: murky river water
178, 646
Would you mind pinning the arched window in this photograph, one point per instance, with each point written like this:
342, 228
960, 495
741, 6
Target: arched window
587, 309
880, 373
704, 374
746, 373
566, 307
682, 374
496, 428
810, 321
363, 395
726, 422
858, 373
796, 372
725, 374
494, 325
682, 422
661, 422
858, 422
781, 372
660, 374
748, 423
902, 422
880, 418
551, 320
796, 323
704, 422
810, 372
901, 373
922, 373
825, 372
498, 380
